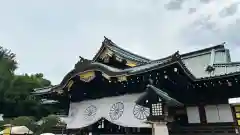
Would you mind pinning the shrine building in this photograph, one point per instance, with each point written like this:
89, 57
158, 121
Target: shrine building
119, 92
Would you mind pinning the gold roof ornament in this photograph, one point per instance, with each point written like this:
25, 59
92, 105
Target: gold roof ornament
69, 85
87, 76
131, 63
104, 53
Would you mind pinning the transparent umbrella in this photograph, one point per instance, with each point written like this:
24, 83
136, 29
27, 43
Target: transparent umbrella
47, 134
19, 130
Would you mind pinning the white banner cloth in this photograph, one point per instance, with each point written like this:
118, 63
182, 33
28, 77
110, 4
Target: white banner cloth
120, 110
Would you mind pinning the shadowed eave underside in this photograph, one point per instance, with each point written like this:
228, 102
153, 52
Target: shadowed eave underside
114, 72
163, 95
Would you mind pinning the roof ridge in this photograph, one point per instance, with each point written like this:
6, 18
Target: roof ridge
125, 50
219, 46
228, 63
108, 42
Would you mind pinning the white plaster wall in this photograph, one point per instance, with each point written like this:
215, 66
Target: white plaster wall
220, 57
198, 64
193, 114
231, 69
219, 70
226, 69
218, 113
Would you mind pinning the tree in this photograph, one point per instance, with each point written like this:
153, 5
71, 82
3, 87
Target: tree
48, 123
29, 122
8, 65
15, 90
18, 96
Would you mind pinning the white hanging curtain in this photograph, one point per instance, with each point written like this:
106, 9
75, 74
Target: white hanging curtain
120, 110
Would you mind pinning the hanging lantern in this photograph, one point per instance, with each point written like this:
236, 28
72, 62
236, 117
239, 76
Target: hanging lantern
157, 109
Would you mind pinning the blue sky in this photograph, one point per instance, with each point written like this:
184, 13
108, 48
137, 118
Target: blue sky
49, 35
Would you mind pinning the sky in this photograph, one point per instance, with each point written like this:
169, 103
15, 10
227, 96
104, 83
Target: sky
48, 36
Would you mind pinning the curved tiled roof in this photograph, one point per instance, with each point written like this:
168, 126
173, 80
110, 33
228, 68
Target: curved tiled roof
45, 90
120, 51
114, 72
129, 55
148, 64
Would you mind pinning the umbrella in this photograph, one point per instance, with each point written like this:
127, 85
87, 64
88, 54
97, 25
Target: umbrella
8, 125
19, 130
47, 134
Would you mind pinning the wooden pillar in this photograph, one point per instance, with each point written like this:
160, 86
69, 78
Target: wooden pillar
202, 114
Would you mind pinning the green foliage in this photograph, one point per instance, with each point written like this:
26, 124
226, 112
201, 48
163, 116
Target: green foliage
24, 121
16, 99
48, 123
15, 90
7, 67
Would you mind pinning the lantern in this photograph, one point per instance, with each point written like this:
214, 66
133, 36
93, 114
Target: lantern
158, 102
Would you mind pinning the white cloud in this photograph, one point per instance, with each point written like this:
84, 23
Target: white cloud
48, 36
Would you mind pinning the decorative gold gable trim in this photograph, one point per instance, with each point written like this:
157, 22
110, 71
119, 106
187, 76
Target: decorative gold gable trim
87, 76
106, 53
131, 63
69, 85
